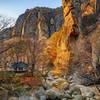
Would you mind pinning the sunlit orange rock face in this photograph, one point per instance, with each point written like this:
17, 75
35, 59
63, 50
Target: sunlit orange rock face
61, 45
93, 1
58, 52
89, 8
58, 46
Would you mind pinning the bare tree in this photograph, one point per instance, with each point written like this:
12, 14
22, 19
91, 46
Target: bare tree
6, 22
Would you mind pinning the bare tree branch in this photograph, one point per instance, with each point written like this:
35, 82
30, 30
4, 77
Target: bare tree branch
5, 22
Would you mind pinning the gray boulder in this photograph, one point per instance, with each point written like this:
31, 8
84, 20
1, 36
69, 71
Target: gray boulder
54, 95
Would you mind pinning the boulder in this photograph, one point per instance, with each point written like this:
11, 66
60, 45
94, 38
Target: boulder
60, 83
14, 98
53, 94
77, 97
26, 98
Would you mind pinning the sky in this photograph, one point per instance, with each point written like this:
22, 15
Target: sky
13, 8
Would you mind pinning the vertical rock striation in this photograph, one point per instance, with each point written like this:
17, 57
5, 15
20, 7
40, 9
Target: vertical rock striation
58, 44
71, 45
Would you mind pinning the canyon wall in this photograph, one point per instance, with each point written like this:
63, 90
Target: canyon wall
59, 40
70, 49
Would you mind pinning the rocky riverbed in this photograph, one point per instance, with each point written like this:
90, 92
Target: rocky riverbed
78, 92
57, 88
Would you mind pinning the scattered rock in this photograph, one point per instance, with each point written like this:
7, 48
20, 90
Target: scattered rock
77, 97
91, 94
14, 98
88, 79
60, 83
40, 93
68, 95
42, 97
64, 99
53, 94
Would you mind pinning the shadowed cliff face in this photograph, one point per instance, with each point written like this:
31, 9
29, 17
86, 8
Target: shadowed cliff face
29, 21
26, 23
